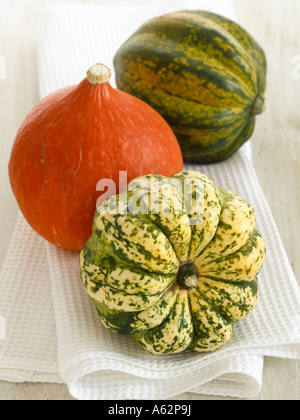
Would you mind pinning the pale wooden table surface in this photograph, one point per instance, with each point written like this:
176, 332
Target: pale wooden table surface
276, 145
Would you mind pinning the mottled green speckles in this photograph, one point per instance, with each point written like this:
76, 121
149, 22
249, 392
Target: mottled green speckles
241, 266
149, 249
132, 322
174, 279
211, 329
204, 213
234, 301
174, 335
236, 225
168, 212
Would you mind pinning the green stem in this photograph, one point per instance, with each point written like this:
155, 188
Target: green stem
187, 276
259, 105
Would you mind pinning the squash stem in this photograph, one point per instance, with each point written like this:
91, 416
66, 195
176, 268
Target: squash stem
187, 276
259, 106
98, 74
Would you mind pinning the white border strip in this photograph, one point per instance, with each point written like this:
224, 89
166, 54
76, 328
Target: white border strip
2, 68
2, 328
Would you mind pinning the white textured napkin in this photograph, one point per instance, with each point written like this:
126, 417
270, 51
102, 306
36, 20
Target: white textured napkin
53, 333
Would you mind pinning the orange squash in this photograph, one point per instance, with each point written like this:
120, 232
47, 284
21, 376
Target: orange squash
76, 137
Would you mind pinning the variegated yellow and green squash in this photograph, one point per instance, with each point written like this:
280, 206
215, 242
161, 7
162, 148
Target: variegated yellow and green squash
203, 73
174, 263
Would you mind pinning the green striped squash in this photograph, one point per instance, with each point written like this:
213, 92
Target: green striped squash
174, 263
203, 73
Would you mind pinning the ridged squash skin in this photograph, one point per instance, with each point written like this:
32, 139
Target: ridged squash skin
203, 73
178, 272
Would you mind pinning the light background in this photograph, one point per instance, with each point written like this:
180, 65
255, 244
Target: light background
276, 142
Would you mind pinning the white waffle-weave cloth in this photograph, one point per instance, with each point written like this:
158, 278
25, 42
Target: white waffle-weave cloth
53, 333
